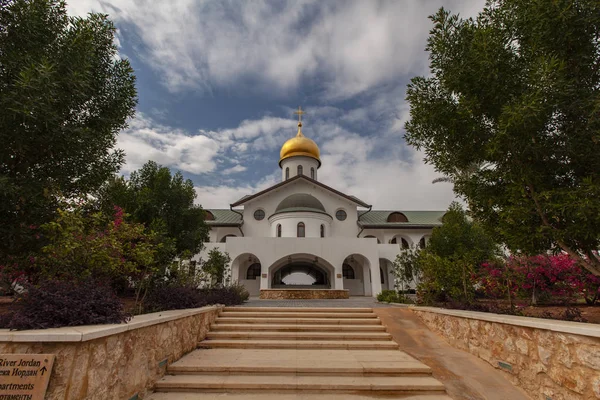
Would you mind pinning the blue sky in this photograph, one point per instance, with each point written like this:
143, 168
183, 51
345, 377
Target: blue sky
218, 82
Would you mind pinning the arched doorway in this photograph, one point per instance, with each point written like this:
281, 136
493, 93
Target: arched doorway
355, 272
386, 276
246, 270
301, 271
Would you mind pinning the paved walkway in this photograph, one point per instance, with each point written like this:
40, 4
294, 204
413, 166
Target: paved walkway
465, 376
352, 302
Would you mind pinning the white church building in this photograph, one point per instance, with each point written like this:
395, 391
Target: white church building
302, 228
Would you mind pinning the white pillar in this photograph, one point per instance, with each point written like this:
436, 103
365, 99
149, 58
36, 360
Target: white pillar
375, 276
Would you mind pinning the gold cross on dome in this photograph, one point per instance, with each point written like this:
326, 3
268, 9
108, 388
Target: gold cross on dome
299, 113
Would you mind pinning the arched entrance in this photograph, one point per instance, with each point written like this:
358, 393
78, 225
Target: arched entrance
301, 271
356, 275
246, 270
386, 275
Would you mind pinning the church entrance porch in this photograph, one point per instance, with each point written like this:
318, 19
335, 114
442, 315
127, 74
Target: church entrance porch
302, 276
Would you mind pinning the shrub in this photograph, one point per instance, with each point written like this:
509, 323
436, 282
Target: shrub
177, 297
65, 303
173, 297
227, 295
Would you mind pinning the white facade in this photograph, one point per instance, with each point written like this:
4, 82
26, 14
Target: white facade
261, 233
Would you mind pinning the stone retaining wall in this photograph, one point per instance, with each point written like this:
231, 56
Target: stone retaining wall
550, 360
281, 294
113, 361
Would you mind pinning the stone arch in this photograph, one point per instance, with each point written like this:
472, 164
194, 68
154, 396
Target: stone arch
303, 263
239, 272
361, 284
403, 240
224, 238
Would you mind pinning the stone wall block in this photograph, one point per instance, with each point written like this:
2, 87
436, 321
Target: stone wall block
595, 384
78, 381
544, 354
522, 346
576, 380
589, 355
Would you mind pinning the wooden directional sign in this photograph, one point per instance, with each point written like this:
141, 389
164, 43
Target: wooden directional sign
25, 376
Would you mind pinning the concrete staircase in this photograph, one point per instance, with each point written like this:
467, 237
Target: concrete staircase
298, 353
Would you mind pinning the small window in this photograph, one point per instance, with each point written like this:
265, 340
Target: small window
393, 241
405, 244
422, 242
259, 215
397, 217
312, 173
253, 272
208, 216
299, 169
347, 271
300, 230
322, 231
341, 215
278, 230
287, 173
382, 276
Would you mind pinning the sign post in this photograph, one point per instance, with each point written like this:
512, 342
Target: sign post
25, 376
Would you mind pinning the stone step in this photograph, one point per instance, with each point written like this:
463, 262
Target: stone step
299, 309
260, 314
236, 382
297, 328
300, 335
395, 369
259, 395
298, 321
299, 344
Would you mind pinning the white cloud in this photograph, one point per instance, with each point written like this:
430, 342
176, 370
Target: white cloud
146, 140
235, 169
352, 46
223, 196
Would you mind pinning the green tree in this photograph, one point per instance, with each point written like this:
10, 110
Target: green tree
164, 203
517, 90
454, 252
64, 96
406, 268
215, 266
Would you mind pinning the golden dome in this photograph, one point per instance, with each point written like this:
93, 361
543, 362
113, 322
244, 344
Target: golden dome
299, 146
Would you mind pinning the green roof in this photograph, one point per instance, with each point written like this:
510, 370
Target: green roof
224, 217
415, 218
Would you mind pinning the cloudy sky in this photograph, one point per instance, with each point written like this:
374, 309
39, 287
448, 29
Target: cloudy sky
218, 82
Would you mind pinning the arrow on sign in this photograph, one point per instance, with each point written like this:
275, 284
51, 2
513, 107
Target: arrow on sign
44, 369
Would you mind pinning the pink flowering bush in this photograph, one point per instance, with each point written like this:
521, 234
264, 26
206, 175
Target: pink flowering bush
83, 245
538, 278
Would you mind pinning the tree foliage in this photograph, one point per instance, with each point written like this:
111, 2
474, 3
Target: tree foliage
454, 253
64, 96
164, 203
84, 246
517, 90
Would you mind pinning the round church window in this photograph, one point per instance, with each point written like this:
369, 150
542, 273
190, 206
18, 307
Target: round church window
259, 215
341, 215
